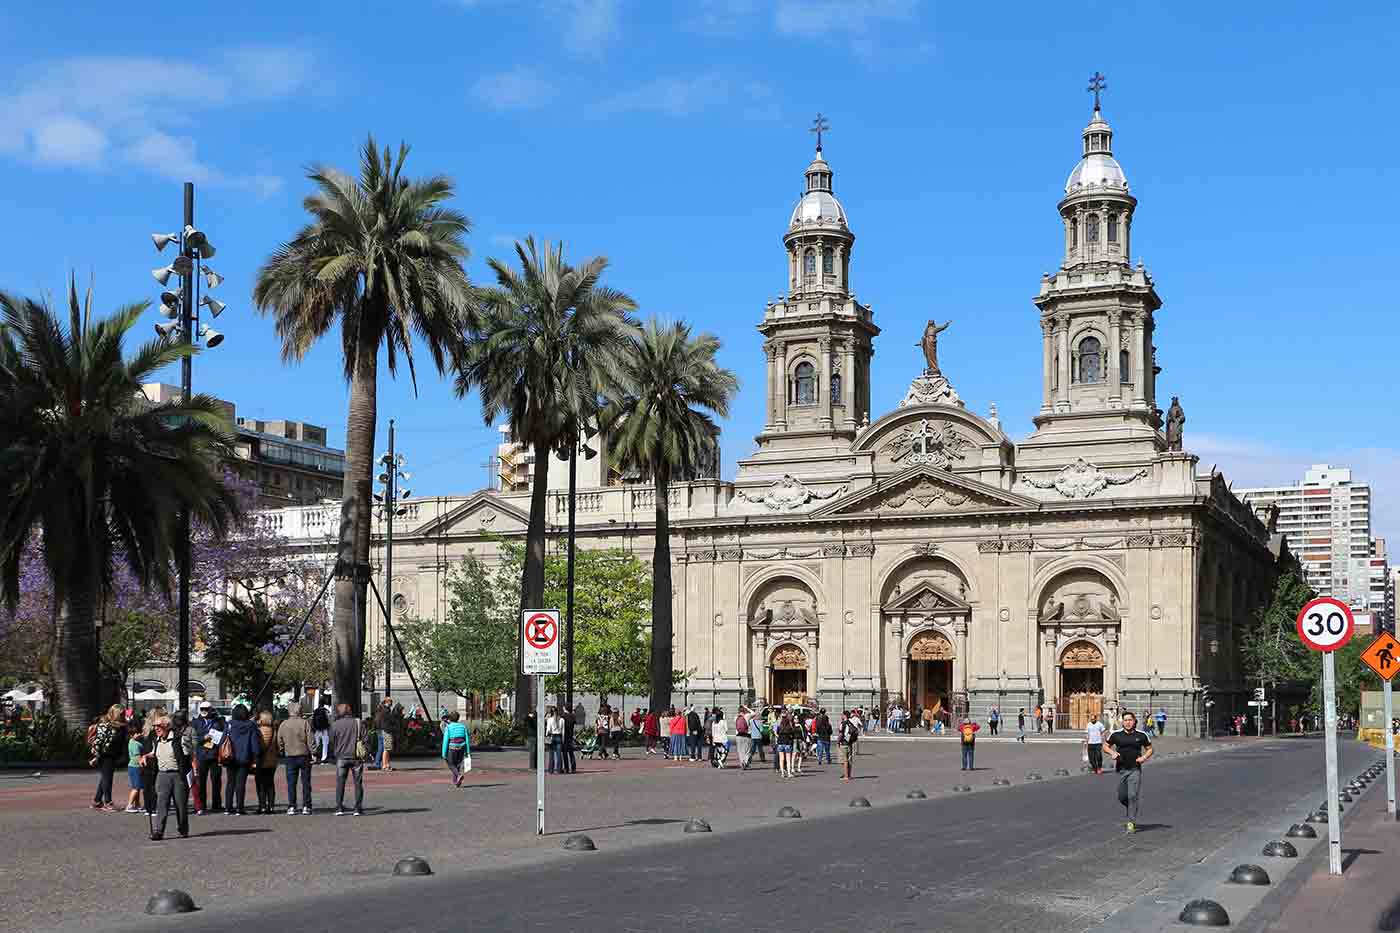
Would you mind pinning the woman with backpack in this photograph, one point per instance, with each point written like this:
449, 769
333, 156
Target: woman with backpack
244, 748
265, 770
321, 735
456, 747
106, 747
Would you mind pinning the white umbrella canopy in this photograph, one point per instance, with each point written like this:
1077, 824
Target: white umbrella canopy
147, 696
20, 695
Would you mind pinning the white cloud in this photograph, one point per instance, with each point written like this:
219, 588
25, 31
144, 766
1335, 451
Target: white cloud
818, 18
590, 24
103, 112
686, 96
722, 17
512, 90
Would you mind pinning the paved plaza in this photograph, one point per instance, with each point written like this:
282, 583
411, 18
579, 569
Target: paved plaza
1042, 842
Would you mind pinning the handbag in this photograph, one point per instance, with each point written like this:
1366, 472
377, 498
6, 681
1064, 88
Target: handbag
226, 751
361, 752
467, 763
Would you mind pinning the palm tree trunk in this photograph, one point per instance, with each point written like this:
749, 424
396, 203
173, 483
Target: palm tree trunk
662, 663
75, 670
348, 631
532, 579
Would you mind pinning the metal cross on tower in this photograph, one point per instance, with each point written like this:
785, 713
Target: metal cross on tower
819, 126
1096, 85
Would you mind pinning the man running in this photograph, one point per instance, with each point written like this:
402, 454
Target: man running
1093, 744
1129, 748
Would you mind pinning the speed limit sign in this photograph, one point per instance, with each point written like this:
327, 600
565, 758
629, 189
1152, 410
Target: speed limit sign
1325, 624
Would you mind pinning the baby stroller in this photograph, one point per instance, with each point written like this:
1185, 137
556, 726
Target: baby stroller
589, 748
721, 753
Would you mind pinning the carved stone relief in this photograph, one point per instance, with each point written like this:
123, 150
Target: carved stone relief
788, 494
1082, 654
924, 493
931, 646
1081, 480
789, 658
936, 443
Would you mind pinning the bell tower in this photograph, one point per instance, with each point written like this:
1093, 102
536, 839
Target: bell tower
1097, 310
818, 338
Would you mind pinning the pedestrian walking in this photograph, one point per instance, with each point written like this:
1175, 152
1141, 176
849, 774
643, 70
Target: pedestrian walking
106, 747
1021, 725
1093, 745
294, 743
651, 730
553, 736
787, 740
601, 724
133, 766
348, 749
1161, 721
615, 731
846, 741
637, 716
321, 735
993, 720
148, 758
1129, 749
390, 727
676, 732
456, 747
171, 753
823, 733
247, 748
567, 760
209, 730
743, 741
265, 768
967, 736
1039, 719
719, 738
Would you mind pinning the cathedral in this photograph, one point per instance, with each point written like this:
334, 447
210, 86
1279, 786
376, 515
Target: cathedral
923, 554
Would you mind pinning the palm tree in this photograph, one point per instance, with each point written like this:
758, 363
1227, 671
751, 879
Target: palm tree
101, 473
657, 425
550, 336
384, 257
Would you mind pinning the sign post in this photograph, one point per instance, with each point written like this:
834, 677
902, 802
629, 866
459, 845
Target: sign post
1383, 657
539, 638
1325, 625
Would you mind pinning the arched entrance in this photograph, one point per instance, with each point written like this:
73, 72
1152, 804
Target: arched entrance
930, 674
1081, 682
788, 675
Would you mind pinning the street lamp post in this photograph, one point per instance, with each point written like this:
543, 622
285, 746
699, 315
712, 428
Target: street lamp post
572, 455
392, 461
181, 311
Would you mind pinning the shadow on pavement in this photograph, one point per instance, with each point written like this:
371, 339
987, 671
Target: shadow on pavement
591, 829
229, 832
1351, 855
388, 812
1149, 827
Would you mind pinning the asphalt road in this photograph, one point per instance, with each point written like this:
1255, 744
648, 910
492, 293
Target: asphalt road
1049, 856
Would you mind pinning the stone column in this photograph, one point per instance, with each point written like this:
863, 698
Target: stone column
1062, 341
1115, 385
781, 421
1110, 672
1049, 665
774, 384
960, 630
1047, 330
1140, 352
848, 383
839, 268
824, 383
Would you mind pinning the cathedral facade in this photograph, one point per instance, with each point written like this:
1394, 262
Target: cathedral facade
922, 553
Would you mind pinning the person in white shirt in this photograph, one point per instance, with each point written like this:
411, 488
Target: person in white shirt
553, 739
1093, 741
719, 739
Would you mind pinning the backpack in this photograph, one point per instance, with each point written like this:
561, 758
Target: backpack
741, 725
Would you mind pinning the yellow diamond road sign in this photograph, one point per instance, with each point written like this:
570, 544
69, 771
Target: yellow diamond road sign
1383, 656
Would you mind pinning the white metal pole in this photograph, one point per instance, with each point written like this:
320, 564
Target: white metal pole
539, 755
1329, 716
1389, 753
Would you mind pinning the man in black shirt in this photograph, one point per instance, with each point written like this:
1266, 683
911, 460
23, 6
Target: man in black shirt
1129, 748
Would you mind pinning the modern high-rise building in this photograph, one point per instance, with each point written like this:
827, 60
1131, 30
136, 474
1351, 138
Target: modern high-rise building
1326, 520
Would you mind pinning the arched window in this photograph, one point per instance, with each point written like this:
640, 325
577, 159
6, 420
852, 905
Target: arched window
1074, 232
809, 263
836, 389
828, 261
804, 383
1089, 358
1113, 228
1091, 229
1123, 366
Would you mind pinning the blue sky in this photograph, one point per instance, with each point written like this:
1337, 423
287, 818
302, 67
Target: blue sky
1259, 139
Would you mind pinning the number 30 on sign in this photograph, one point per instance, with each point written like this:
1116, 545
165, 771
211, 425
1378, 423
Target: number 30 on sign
1325, 624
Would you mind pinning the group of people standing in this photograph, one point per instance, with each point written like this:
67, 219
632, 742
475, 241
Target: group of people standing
170, 759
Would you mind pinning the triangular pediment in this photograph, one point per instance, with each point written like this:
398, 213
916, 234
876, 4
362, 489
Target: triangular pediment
927, 597
924, 489
483, 512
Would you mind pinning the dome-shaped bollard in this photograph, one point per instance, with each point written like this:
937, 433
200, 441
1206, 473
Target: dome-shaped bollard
1204, 913
859, 803
1249, 874
413, 865
1001, 782
1317, 816
579, 843
170, 902
916, 794
697, 826
790, 813
1034, 776
1301, 831
1062, 772
1280, 849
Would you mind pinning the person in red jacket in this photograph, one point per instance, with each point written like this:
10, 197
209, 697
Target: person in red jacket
651, 728
967, 737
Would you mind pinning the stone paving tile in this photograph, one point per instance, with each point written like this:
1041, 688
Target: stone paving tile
67, 864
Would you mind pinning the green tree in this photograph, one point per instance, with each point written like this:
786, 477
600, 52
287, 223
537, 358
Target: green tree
472, 651
239, 635
383, 257
132, 641
548, 338
1270, 651
103, 476
659, 423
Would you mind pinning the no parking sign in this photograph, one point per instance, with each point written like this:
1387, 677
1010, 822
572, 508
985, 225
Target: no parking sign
539, 636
